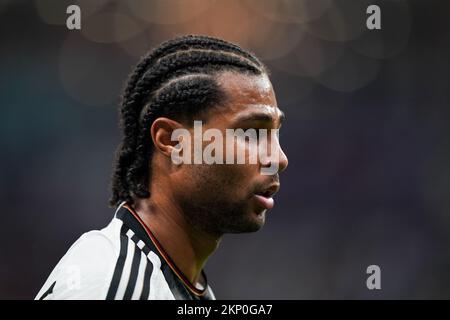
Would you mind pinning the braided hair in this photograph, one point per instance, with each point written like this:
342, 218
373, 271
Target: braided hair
178, 79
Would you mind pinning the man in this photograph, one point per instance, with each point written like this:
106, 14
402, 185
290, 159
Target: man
170, 216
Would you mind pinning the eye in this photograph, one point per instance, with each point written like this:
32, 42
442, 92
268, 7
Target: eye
255, 130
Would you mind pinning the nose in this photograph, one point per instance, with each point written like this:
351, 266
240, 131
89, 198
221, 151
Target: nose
282, 158
277, 161
283, 161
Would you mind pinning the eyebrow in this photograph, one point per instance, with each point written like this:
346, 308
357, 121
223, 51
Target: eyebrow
260, 116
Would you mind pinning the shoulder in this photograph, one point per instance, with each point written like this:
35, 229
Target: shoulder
85, 271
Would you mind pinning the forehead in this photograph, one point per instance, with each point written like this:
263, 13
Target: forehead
247, 89
247, 93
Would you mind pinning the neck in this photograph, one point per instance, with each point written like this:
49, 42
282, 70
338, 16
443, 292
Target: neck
188, 247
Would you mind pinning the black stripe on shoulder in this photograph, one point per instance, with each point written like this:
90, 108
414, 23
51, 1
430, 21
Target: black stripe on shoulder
179, 291
48, 292
133, 273
147, 276
135, 239
134, 225
119, 264
146, 250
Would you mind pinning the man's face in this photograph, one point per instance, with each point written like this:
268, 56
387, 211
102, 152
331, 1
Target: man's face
234, 198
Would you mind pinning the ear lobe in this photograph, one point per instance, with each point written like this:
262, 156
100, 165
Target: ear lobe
161, 132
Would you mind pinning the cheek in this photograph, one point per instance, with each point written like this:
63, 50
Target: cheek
226, 179
245, 152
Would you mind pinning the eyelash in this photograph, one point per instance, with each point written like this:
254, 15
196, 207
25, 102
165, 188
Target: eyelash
257, 132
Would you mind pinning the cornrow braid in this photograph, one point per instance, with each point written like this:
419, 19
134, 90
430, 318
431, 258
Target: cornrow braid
177, 79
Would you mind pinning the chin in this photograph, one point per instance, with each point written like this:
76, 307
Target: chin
254, 221
259, 218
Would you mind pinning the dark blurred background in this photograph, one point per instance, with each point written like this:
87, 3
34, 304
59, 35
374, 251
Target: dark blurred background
367, 136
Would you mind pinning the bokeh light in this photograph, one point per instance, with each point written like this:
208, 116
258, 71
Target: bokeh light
350, 73
89, 72
289, 11
168, 11
342, 21
109, 27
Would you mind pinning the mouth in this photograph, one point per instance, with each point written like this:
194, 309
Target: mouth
265, 196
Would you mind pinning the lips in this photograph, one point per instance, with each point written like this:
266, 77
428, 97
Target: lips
265, 196
266, 202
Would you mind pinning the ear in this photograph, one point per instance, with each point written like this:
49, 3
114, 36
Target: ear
161, 132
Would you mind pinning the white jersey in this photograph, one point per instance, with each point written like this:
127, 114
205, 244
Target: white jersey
121, 261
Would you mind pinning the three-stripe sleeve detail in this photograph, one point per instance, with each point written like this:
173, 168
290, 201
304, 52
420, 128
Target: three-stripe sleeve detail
133, 270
